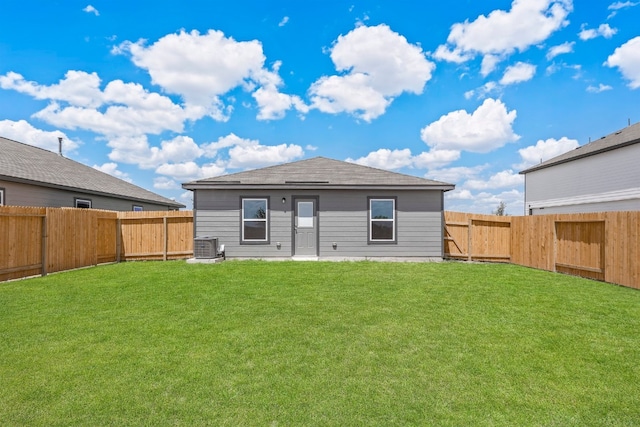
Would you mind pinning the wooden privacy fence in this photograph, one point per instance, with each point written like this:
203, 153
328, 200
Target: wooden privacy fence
602, 246
45, 240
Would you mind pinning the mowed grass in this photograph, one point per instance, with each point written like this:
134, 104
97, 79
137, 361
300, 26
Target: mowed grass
327, 344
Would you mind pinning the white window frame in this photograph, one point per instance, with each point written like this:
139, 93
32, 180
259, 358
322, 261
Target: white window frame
83, 201
1, 196
265, 220
137, 208
391, 220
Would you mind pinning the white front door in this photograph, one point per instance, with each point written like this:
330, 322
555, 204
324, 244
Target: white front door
305, 227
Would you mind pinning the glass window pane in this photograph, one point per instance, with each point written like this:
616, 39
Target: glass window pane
382, 230
255, 230
254, 209
305, 214
382, 209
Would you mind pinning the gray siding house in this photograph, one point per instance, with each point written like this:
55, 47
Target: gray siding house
601, 176
31, 176
321, 209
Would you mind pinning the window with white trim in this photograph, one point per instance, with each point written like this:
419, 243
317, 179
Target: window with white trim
137, 208
83, 203
255, 224
382, 220
1, 196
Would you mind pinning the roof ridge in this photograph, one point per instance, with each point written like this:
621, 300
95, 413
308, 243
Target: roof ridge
318, 170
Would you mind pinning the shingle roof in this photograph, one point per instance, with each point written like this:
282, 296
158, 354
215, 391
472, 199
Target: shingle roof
26, 163
627, 136
318, 172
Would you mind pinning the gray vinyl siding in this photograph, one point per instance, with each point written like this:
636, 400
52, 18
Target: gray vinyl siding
342, 219
591, 177
18, 194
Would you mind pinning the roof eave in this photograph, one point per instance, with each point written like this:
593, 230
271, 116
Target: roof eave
87, 191
579, 156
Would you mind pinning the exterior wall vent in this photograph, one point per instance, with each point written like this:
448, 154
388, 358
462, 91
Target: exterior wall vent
205, 247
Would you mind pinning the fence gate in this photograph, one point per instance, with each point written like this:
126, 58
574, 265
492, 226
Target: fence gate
580, 248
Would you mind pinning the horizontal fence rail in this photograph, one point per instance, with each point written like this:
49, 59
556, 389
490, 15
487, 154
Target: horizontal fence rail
602, 246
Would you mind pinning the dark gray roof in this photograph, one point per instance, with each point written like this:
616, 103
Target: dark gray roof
32, 165
318, 172
627, 136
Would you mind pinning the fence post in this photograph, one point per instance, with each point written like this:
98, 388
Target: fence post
165, 238
118, 238
469, 240
44, 243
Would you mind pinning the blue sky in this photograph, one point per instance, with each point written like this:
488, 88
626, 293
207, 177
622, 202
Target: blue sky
465, 91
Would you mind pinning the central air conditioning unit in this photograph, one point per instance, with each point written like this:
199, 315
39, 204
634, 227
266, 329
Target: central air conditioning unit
205, 247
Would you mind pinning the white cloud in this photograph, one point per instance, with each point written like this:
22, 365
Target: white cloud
211, 149
136, 150
379, 65
554, 68
484, 90
386, 159
622, 5
131, 150
256, 155
458, 194
91, 9
178, 149
561, 49
457, 174
627, 59
489, 63
184, 171
504, 179
243, 153
187, 171
435, 158
77, 102
597, 89
203, 67
604, 30
397, 159
198, 67
22, 131
283, 22
187, 199
351, 94
487, 128
520, 72
517, 73
616, 6
164, 183
112, 169
529, 22
77, 88
463, 200
544, 150
454, 55
273, 104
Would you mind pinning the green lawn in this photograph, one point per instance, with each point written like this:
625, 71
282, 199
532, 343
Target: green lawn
327, 344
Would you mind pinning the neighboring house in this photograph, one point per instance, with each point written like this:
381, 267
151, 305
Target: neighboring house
603, 175
31, 176
321, 209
